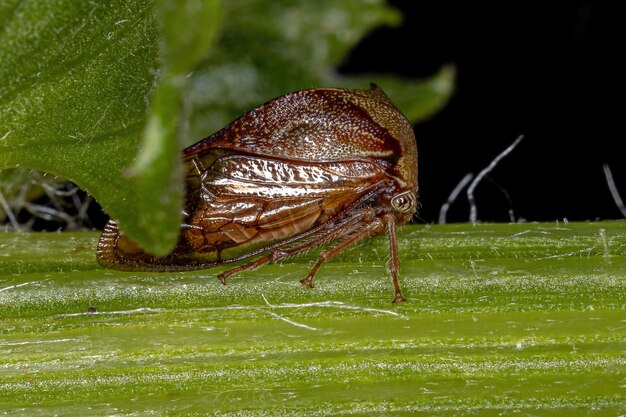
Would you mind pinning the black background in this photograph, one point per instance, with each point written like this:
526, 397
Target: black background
549, 71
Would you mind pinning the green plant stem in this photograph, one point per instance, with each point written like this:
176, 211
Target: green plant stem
500, 319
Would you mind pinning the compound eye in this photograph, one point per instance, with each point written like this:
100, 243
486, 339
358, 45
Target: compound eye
405, 202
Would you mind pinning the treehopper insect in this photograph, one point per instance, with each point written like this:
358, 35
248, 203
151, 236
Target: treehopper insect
312, 167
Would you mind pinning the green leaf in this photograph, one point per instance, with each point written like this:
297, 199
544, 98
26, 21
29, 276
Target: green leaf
270, 48
188, 29
75, 77
73, 101
106, 94
508, 319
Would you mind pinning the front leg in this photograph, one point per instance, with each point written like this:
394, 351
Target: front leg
394, 260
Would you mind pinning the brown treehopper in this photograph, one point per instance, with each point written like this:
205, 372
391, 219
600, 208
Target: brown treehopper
308, 168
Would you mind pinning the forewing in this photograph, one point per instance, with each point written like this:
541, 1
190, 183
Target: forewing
252, 176
242, 200
238, 204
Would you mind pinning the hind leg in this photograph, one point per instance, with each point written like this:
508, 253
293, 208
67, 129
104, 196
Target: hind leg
367, 228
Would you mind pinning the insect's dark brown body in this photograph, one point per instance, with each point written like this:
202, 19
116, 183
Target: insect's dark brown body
307, 168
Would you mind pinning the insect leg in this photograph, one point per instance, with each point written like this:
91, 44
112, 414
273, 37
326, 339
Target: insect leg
368, 227
393, 258
246, 267
330, 224
321, 237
